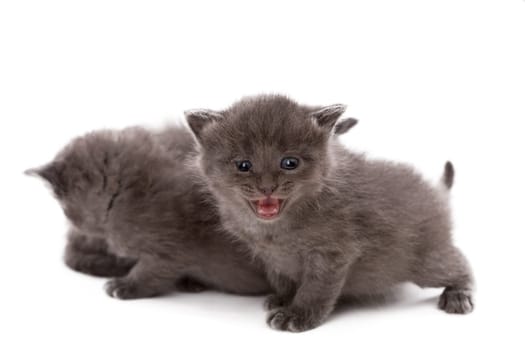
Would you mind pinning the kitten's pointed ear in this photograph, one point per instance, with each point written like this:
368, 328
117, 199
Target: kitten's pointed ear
52, 173
199, 118
326, 117
344, 125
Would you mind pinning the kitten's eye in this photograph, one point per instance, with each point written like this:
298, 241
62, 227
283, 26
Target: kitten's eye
244, 165
289, 163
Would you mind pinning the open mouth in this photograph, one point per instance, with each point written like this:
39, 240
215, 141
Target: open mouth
267, 208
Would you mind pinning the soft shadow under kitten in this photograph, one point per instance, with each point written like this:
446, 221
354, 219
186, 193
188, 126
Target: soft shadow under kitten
138, 213
327, 222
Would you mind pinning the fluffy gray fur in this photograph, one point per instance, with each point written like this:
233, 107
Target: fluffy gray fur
138, 214
347, 226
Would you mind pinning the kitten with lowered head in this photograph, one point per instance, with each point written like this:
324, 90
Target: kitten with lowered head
138, 214
326, 222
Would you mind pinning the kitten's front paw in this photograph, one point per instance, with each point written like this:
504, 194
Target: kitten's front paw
275, 301
124, 288
292, 319
456, 301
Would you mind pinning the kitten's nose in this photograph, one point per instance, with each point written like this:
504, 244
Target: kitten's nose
267, 190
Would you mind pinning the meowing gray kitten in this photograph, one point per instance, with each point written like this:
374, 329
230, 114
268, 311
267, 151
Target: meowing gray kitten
326, 222
137, 213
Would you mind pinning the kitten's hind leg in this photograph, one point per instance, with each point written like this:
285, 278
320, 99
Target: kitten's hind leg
448, 268
150, 277
91, 256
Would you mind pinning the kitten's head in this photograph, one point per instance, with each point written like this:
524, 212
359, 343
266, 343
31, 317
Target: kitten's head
266, 153
81, 179
67, 185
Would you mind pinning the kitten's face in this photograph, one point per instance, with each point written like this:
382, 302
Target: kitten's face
264, 155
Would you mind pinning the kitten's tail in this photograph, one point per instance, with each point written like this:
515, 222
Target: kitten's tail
448, 176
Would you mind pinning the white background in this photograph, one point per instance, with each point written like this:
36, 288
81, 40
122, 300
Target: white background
428, 80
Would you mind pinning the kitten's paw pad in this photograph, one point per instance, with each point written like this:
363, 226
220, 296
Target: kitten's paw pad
275, 301
122, 288
454, 301
288, 319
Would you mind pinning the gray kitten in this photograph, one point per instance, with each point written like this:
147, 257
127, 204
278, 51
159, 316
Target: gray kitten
328, 223
139, 214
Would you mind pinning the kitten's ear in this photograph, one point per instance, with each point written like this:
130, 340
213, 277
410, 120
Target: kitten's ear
326, 117
52, 173
344, 125
199, 118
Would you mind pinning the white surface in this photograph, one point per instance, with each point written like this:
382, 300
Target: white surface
429, 81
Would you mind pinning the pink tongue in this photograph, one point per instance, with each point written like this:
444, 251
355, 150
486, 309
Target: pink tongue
268, 206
